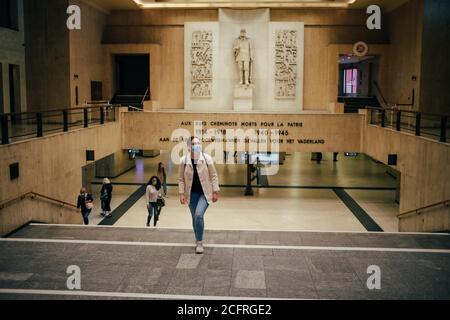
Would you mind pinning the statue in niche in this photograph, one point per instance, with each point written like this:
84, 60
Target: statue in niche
243, 52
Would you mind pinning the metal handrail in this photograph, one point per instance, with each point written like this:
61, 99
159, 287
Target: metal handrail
36, 195
37, 119
53, 110
34, 112
134, 108
384, 101
408, 111
445, 203
145, 95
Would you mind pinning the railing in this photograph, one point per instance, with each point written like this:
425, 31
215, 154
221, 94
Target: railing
145, 95
385, 103
422, 124
445, 203
380, 95
33, 195
131, 108
26, 125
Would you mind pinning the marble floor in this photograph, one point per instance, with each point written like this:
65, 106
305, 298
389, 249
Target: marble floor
297, 171
121, 193
299, 197
276, 209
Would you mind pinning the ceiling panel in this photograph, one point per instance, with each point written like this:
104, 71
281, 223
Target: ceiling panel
108, 5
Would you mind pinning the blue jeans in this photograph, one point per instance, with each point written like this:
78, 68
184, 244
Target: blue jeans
165, 185
85, 215
152, 210
198, 206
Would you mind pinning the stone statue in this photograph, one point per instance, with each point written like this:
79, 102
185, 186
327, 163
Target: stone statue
243, 52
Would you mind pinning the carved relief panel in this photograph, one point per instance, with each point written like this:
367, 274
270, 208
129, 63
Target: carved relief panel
201, 64
285, 64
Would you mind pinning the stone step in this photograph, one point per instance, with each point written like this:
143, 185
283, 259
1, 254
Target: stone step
37, 268
238, 237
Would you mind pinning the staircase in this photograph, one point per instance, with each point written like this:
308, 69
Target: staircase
147, 263
353, 104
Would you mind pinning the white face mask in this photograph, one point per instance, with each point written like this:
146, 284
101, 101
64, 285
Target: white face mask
196, 148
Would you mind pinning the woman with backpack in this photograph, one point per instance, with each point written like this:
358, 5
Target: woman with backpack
198, 186
85, 202
105, 197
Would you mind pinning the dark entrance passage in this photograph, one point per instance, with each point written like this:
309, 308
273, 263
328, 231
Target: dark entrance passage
132, 80
132, 74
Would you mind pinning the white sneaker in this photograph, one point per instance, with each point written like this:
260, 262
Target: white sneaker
199, 249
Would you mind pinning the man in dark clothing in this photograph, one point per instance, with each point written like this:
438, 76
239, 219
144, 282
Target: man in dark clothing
105, 197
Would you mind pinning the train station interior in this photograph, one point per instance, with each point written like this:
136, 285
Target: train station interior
327, 124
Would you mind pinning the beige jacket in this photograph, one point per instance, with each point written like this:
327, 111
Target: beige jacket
207, 174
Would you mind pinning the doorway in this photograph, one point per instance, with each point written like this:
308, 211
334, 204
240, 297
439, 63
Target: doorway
350, 83
132, 74
358, 82
357, 75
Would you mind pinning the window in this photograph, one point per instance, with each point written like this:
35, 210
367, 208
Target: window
350, 81
9, 14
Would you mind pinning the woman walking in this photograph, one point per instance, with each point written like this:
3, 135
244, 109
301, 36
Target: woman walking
162, 177
85, 202
105, 197
198, 186
152, 193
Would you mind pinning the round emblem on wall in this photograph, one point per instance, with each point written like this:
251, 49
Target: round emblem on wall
360, 49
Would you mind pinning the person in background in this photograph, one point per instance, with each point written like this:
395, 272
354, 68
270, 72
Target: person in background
335, 156
85, 202
319, 157
198, 186
259, 165
162, 177
152, 193
105, 197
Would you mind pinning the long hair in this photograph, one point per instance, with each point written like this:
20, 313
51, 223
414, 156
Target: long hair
158, 183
